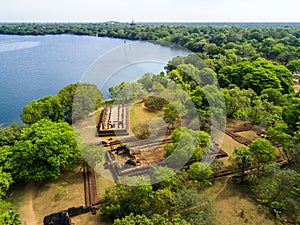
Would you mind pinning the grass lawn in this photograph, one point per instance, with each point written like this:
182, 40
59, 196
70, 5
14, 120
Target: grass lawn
250, 134
228, 145
231, 201
103, 184
140, 115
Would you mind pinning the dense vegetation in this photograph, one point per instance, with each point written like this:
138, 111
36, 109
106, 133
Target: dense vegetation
265, 107
258, 90
48, 145
176, 200
254, 66
72, 103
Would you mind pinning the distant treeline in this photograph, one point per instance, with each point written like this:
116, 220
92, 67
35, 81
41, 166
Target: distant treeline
274, 41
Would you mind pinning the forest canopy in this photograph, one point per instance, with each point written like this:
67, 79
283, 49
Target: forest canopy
254, 66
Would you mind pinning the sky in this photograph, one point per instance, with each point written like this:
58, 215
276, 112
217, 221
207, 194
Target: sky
150, 11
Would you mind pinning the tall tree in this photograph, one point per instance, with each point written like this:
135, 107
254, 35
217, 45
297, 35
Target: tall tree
122, 200
278, 134
45, 150
263, 151
258, 75
278, 189
294, 66
78, 100
87, 99
188, 146
47, 107
242, 158
238, 102
66, 99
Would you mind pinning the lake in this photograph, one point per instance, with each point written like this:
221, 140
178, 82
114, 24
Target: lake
35, 66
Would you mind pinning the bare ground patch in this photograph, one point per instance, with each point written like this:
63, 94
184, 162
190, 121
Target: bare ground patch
47, 198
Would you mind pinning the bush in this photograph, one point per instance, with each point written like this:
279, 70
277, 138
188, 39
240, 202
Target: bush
142, 130
155, 103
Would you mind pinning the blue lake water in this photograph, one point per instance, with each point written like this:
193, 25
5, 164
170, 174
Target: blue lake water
35, 66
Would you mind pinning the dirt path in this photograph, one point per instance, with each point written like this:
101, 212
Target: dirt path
224, 186
28, 217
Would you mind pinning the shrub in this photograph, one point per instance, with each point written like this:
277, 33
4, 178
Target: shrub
142, 130
155, 103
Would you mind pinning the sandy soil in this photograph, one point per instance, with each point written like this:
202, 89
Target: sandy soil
27, 210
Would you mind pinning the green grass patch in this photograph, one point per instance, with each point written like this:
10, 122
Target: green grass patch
138, 114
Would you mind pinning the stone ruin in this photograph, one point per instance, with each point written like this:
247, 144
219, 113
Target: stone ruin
114, 120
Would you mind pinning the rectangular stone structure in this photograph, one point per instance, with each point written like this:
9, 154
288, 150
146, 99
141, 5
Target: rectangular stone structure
114, 120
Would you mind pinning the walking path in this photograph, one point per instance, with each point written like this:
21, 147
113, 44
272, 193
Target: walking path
224, 186
28, 217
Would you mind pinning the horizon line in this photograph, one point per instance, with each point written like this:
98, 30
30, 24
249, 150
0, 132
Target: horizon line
143, 22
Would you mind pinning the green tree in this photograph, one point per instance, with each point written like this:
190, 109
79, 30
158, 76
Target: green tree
265, 113
242, 159
291, 115
260, 79
207, 77
258, 75
86, 100
154, 220
238, 102
92, 154
187, 75
10, 134
5, 182
294, 66
7, 215
200, 172
198, 98
163, 201
78, 100
170, 112
7, 161
116, 90
272, 95
45, 150
122, 200
162, 177
146, 80
47, 107
277, 189
192, 59
66, 99
263, 151
187, 145
278, 134
193, 207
